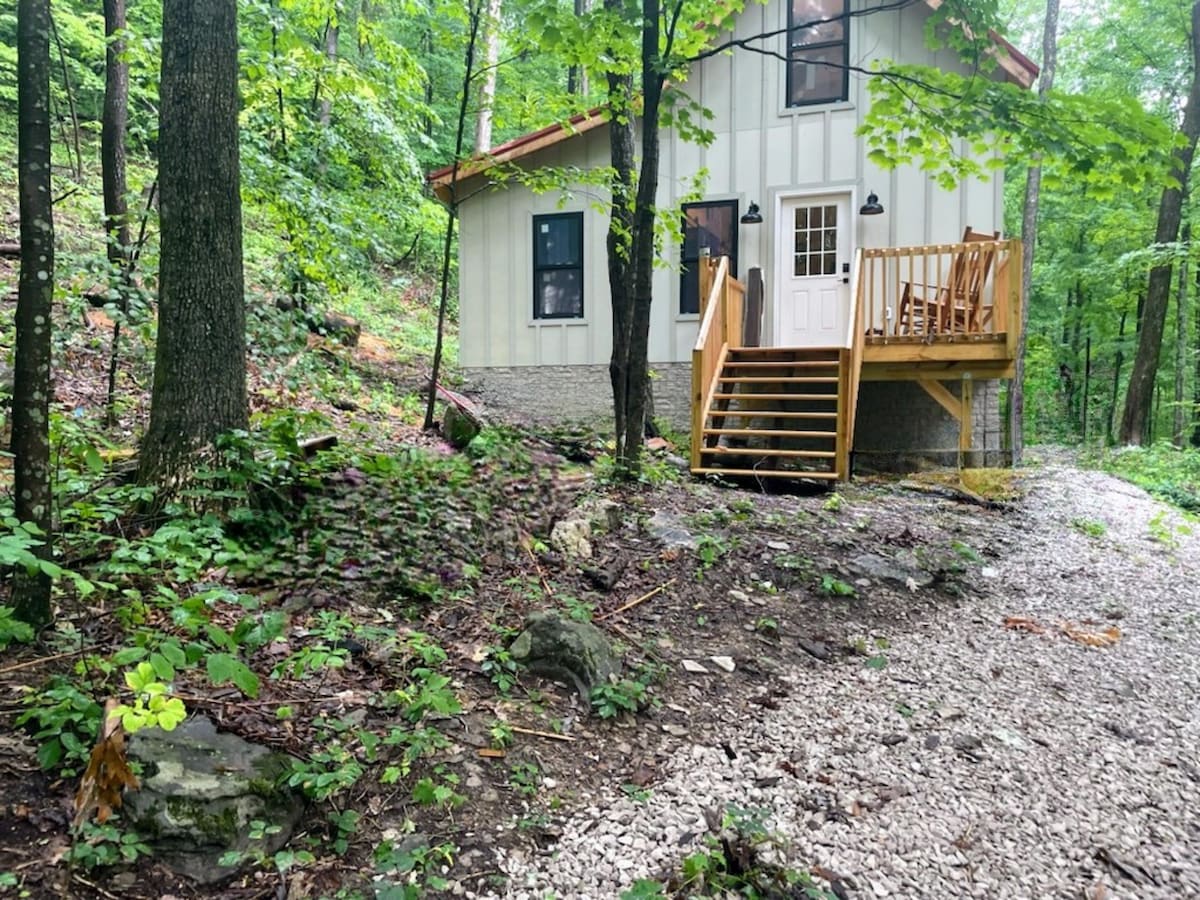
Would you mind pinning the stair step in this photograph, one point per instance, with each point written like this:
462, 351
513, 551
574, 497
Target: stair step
780, 379
769, 413
782, 363
755, 451
767, 473
772, 432
757, 396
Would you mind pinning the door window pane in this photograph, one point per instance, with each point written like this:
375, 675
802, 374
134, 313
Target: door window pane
816, 241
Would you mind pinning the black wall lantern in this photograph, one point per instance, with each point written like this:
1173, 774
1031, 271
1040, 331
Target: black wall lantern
752, 216
872, 207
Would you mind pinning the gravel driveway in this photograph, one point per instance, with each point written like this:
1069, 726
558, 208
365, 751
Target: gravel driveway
984, 760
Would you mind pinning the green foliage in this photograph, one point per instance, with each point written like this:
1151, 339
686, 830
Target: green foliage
98, 846
13, 629
65, 721
833, 586
627, 695
500, 668
525, 778
738, 860
1167, 473
151, 708
920, 115
1090, 527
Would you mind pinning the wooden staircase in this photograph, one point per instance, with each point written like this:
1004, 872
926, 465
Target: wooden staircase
778, 413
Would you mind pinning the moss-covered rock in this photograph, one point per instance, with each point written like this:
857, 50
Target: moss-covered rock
201, 790
577, 653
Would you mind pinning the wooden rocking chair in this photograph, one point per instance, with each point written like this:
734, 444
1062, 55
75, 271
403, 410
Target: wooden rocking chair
955, 307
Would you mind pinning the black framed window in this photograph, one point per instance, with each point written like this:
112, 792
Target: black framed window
818, 51
709, 229
558, 266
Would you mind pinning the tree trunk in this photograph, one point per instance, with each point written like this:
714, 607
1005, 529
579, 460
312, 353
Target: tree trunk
1029, 224
325, 107
1138, 399
577, 77
487, 87
474, 17
1196, 380
35, 295
618, 244
112, 163
1181, 344
631, 237
1118, 361
200, 359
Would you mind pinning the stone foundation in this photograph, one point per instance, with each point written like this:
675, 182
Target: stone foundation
575, 395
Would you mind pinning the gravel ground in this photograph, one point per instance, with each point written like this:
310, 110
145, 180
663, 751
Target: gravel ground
983, 760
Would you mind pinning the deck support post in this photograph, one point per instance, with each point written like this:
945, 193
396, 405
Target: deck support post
966, 418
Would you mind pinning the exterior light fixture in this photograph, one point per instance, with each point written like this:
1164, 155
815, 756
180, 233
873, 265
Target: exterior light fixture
872, 207
752, 216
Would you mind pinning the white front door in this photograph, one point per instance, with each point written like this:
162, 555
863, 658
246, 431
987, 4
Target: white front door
812, 294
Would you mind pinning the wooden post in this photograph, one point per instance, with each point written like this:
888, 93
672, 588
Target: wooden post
699, 394
966, 416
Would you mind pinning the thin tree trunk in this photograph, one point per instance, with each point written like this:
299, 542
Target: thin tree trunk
325, 107
200, 359
1118, 361
283, 138
112, 161
1029, 225
577, 76
35, 295
1087, 386
1181, 340
487, 87
1138, 399
475, 13
70, 92
1196, 378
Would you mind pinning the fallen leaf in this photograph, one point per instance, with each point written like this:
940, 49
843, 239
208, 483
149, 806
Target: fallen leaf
1104, 637
1024, 623
107, 773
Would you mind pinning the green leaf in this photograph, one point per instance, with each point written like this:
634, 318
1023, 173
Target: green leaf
162, 667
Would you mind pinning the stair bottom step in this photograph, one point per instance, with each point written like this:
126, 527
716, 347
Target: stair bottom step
767, 473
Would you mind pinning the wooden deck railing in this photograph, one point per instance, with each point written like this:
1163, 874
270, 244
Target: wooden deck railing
722, 300
960, 291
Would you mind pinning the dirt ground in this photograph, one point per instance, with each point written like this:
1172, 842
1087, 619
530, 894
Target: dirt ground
772, 586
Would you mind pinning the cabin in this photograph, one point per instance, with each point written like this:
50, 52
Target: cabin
817, 311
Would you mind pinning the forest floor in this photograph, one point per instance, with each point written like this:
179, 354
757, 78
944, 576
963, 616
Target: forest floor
928, 695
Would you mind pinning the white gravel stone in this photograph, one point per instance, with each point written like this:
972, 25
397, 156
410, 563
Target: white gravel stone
1081, 751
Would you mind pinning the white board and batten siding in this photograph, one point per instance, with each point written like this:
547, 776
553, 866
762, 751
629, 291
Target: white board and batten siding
763, 152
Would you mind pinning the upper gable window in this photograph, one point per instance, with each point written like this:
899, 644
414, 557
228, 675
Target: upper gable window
818, 52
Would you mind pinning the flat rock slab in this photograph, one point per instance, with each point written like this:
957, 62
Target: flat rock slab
201, 790
902, 571
669, 531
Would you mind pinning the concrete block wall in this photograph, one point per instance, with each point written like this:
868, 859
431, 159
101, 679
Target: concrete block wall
900, 426
574, 395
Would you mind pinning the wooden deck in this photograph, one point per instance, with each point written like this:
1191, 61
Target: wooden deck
929, 315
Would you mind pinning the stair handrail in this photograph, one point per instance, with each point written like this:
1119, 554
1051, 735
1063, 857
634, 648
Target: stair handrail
710, 349
856, 341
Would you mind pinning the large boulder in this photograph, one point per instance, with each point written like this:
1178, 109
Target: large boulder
576, 653
200, 792
459, 427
